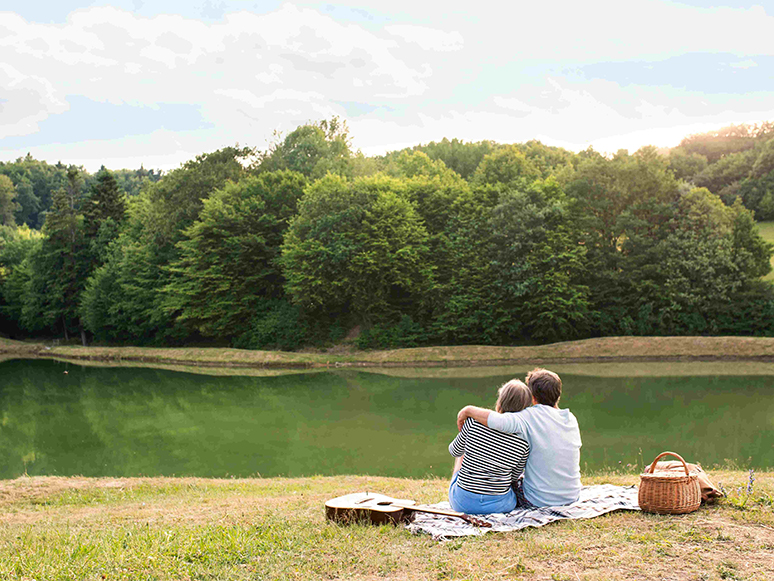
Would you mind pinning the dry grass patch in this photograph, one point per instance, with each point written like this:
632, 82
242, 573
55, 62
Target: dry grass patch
10, 349
191, 528
600, 350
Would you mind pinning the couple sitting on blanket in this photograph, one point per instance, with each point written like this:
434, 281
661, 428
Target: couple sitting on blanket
526, 453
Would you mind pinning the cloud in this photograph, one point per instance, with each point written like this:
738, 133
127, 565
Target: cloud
745, 64
574, 115
567, 73
260, 60
596, 29
428, 38
27, 100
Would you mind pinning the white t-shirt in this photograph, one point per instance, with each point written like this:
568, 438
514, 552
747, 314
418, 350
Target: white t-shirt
552, 475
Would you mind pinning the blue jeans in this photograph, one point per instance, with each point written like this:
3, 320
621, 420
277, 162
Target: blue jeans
472, 503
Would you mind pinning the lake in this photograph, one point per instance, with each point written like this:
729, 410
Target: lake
65, 419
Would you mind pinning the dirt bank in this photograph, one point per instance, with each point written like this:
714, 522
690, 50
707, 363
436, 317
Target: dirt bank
599, 350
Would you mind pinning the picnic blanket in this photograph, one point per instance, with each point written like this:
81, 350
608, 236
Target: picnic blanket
593, 501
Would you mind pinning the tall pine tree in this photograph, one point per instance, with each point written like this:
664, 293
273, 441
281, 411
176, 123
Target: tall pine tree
106, 201
61, 267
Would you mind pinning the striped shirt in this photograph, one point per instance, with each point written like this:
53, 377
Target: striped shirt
493, 460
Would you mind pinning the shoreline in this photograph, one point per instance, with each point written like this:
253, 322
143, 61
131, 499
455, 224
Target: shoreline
599, 350
460, 363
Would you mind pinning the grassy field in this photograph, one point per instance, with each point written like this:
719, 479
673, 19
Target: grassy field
600, 350
184, 528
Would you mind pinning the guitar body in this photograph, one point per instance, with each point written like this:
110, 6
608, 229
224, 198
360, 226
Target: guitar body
367, 507
371, 507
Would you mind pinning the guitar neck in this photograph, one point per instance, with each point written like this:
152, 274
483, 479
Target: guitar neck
441, 512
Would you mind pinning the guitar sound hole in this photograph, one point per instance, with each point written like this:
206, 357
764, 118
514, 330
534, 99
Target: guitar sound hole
384, 503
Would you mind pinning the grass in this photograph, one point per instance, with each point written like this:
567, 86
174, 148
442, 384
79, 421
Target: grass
600, 350
188, 528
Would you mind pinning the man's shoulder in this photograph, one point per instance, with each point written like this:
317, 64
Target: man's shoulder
482, 429
547, 418
528, 414
569, 417
547, 410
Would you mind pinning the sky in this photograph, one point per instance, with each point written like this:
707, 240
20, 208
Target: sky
155, 83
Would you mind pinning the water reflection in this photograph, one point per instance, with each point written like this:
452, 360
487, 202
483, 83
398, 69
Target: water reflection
97, 421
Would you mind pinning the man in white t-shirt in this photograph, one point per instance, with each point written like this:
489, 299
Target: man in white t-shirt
552, 475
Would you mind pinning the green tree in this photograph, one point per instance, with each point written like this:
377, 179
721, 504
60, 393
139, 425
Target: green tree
538, 266
726, 172
680, 268
461, 157
684, 165
35, 182
700, 267
621, 206
717, 144
547, 159
506, 166
106, 201
409, 164
764, 162
17, 246
29, 205
120, 302
463, 294
8, 205
437, 193
173, 203
132, 181
228, 263
608, 193
757, 194
59, 269
137, 264
751, 253
431, 186
312, 150
356, 250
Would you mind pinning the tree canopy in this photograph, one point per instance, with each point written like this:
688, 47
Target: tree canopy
445, 243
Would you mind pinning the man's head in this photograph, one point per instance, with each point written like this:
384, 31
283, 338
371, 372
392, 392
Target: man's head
546, 386
514, 396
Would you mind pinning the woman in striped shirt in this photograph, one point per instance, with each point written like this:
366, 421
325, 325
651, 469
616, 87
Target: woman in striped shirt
489, 462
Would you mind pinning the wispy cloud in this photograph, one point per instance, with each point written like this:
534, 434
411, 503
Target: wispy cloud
428, 38
568, 73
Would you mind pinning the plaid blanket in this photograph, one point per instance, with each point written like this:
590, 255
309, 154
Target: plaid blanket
593, 501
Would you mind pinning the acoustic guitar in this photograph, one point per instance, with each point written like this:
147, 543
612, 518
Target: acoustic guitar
375, 508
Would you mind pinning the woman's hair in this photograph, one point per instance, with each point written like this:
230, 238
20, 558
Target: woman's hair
514, 396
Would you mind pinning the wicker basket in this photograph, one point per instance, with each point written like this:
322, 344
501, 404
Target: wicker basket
669, 492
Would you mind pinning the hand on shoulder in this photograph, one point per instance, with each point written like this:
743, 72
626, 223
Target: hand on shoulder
462, 415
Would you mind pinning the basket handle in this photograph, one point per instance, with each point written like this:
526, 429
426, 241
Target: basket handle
653, 466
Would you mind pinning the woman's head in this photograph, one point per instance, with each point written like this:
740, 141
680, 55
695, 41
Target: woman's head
514, 396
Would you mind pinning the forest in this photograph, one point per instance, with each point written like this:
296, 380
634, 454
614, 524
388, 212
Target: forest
309, 243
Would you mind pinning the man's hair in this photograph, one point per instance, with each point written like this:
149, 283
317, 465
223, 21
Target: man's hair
546, 386
514, 396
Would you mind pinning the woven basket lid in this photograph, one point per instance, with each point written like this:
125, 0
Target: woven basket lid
668, 475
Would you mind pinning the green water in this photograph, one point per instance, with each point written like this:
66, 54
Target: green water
136, 421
